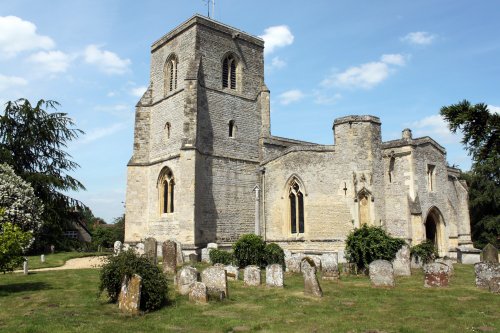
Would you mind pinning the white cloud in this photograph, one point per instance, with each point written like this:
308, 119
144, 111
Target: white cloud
17, 35
106, 61
276, 37
291, 96
51, 61
277, 62
100, 133
138, 91
436, 127
326, 98
11, 81
366, 75
494, 109
419, 38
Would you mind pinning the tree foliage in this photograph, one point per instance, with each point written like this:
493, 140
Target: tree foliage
425, 251
33, 142
481, 129
249, 250
13, 243
107, 234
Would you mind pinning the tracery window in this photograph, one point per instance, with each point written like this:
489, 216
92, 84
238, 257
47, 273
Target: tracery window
229, 66
296, 206
166, 186
170, 72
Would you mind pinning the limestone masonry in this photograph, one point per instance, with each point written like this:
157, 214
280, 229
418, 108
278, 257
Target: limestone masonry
206, 169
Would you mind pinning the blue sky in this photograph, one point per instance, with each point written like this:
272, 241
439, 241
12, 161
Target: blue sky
399, 60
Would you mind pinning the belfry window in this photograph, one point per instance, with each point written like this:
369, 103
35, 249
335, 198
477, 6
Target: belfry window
171, 74
229, 72
166, 185
431, 177
296, 206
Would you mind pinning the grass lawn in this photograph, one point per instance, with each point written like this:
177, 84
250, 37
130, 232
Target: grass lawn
66, 301
57, 259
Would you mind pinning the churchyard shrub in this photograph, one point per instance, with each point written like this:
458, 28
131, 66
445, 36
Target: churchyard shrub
249, 250
425, 251
273, 254
221, 257
127, 263
13, 243
367, 244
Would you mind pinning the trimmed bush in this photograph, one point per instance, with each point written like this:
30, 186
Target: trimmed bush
249, 250
425, 251
367, 244
221, 257
154, 282
273, 254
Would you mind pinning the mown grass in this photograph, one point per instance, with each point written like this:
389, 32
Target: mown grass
66, 301
57, 259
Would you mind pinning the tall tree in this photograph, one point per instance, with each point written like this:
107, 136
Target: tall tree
481, 129
33, 141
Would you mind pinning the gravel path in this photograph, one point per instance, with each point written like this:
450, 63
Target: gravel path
76, 263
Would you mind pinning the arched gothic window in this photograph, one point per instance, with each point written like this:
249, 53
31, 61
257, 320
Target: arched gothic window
232, 129
166, 185
229, 72
171, 73
296, 206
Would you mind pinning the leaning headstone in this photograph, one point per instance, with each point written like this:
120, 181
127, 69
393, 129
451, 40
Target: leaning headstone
215, 279
402, 263
232, 272
42, 258
329, 266
292, 264
198, 293
25, 267
381, 273
139, 249
193, 257
129, 299
169, 257
117, 247
317, 261
489, 254
486, 272
251, 275
447, 262
436, 275
150, 249
186, 277
311, 283
274, 275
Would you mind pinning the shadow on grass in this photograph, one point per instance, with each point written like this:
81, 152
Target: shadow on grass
5, 290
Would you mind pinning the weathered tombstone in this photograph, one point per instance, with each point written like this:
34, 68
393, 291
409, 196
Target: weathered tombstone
212, 246
139, 249
274, 275
205, 254
311, 283
169, 257
495, 285
215, 279
317, 261
193, 257
251, 275
117, 247
292, 264
350, 268
287, 253
125, 247
198, 293
129, 299
25, 267
381, 273
415, 262
42, 258
186, 277
52, 249
486, 272
150, 249
329, 266
489, 254
447, 262
402, 264
436, 275
180, 257
232, 272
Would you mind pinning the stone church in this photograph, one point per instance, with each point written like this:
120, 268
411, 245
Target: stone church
206, 168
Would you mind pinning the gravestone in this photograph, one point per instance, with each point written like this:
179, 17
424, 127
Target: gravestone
447, 262
25, 267
117, 247
487, 275
329, 266
311, 283
381, 273
139, 249
125, 247
436, 275
215, 279
150, 249
489, 254
306, 261
129, 300
193, 257
198, 293
205, 255
251, 276
350, 268
402, 263
169, 257
232, 272
416, 262
495, 285
42, 258
292, 264
287, 253
52, 249
212, 246
186, 277
317, 261
274, 275
180, 257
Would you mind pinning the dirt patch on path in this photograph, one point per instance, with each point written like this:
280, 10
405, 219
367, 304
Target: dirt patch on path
76, 263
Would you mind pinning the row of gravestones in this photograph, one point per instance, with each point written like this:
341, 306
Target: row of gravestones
488, 270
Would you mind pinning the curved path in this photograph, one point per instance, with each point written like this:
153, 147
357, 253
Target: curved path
76, 263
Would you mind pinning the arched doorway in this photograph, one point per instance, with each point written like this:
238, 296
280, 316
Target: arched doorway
435, 230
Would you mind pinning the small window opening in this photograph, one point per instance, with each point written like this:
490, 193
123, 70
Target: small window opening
232, 129
391, 169
229, 72
431, 177
167, 130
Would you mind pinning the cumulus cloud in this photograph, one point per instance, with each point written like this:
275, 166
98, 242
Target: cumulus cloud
107, 61
419, 38
51, 61
277, 62
17, 35
367, 75
325, 98
494, 109
99, 133
290, 96
138, 91
11, 81
436, 127
276, 37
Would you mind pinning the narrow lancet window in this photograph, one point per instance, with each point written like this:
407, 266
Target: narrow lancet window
232, 129
166, 186
171, 74
296, 199
229, 67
